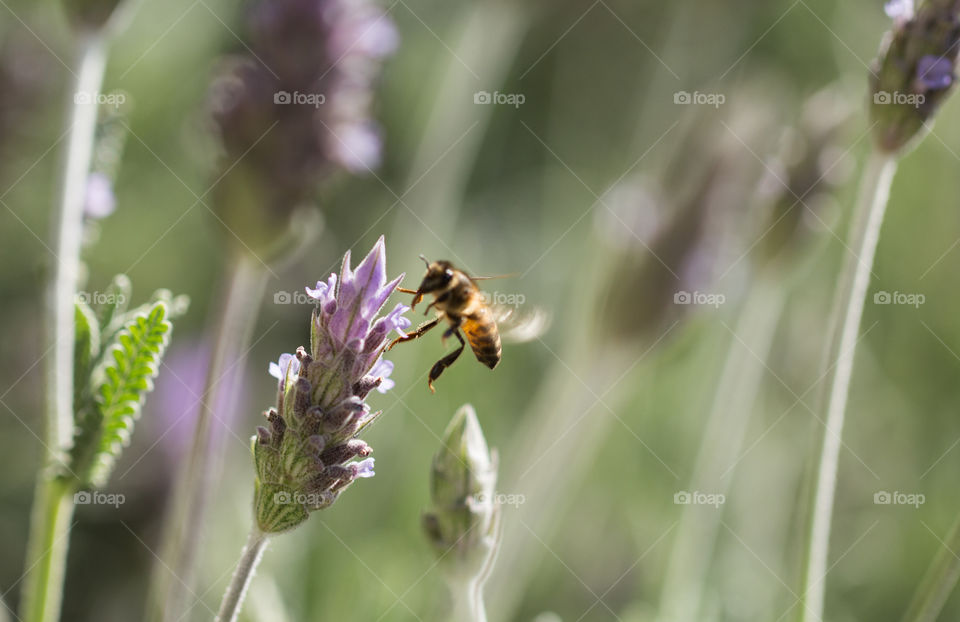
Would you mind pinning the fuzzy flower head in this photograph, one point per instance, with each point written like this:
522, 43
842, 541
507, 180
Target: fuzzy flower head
310, 453
297, 107
914, 72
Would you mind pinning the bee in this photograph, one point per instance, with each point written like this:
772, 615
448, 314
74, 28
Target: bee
458, 300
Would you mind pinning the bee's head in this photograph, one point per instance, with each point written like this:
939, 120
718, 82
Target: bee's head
438, 276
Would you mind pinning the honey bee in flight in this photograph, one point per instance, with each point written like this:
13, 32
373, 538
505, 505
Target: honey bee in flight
458, 300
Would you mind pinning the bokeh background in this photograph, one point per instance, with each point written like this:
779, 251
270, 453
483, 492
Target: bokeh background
608, 195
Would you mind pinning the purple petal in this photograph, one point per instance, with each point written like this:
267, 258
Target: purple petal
323, 290
364, 468
382, 369
371, 274
282, 368
346, 275
375, 301
935, 72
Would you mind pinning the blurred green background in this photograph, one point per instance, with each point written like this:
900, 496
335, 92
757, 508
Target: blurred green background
599, 421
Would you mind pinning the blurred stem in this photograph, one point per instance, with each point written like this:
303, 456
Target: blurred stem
467, 601
844, 327
53, 506
939, 581
733, 401
489, 37
234, 323
237, 590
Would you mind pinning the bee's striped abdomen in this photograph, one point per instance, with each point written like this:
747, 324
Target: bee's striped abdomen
483, 336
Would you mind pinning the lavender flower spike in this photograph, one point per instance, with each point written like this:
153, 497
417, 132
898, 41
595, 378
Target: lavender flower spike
914, 72
310, 452
297, 108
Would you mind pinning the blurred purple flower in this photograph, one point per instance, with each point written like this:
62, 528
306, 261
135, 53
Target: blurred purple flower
309, 453
99, 201
899, 10
934, 72
298, 106
179, 394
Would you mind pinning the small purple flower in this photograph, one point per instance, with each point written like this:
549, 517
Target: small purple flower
364, 468
288, 364
934, 72
99, 201
310, 450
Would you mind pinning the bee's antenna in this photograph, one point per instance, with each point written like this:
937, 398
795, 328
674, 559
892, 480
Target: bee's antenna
425, 260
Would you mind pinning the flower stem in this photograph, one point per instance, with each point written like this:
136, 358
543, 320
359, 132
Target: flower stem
233, 328
733, 401
467, 601
939, 581
237, 590
53, 505
844, 327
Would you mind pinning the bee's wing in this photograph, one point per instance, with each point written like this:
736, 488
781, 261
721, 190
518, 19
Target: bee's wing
517, 325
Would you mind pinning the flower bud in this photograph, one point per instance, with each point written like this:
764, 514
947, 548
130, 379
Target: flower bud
461, 524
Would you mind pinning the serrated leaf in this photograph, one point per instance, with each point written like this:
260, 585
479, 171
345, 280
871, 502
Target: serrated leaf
129, 365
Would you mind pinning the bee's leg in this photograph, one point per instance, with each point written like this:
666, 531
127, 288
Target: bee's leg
446, 361
415, 334
417, 296
454, 325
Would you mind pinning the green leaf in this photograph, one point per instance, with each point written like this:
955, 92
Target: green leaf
125, 375
85, 351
